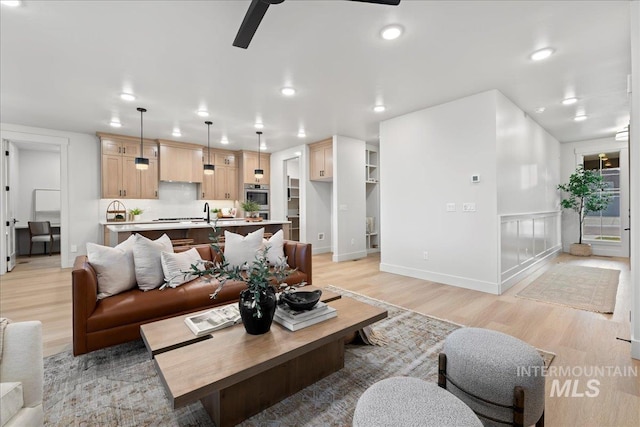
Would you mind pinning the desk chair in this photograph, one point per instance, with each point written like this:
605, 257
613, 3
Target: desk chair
40, 231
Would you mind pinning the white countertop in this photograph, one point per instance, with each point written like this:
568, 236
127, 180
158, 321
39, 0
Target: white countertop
122, 227
149, 221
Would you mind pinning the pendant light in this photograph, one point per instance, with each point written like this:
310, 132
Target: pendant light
258, 173
141, 162
208, 167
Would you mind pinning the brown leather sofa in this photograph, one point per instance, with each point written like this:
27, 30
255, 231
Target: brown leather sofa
117, 319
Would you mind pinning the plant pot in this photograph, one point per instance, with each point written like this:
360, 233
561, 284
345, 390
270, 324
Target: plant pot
580, 249
136, 217
257, 325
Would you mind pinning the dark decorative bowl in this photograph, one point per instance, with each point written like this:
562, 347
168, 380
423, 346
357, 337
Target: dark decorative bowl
302, 300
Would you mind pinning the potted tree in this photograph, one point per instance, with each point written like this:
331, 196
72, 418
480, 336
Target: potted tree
250, 209
585, 194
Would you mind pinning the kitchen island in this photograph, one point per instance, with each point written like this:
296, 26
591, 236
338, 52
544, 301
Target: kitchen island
199, 231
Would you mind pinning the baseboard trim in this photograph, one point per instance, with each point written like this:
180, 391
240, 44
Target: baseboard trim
349, 256
446, 279
323, 250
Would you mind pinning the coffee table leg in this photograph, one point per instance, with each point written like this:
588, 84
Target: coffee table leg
240, 401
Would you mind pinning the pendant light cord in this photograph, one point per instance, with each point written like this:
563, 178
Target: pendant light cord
259, 133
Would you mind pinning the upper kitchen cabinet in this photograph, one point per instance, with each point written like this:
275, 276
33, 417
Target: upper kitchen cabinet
120, 178
223, 183
180, 162
321, 160
250, 164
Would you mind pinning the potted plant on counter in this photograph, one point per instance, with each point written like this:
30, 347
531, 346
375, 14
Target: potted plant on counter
586, 194
251, 209
135, 213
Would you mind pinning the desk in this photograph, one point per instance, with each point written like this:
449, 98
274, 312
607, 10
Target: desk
23, 241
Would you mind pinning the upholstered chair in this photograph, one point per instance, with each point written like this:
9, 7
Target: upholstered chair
40, 231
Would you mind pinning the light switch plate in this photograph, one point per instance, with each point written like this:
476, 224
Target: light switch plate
451, 207
468, 207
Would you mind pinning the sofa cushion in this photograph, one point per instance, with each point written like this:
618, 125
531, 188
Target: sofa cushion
174, 266
11, 400
114, 266
242, 250
136, 306
148, 261
275, 249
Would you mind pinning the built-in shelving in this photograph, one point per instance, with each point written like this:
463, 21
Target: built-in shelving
293, 207
371, 178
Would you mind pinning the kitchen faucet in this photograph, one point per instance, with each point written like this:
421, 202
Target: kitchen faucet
206, 209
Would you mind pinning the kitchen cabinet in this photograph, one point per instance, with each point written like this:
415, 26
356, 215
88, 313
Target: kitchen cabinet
250, 164
223, 183
120, 178
226, 184
180, 162
321, 160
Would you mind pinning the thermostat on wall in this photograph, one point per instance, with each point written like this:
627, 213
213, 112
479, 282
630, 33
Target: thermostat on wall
475, 178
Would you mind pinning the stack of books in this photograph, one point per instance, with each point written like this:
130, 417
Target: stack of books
213, 320
295, 320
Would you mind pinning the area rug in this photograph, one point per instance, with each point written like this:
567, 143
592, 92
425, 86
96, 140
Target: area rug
119, 386
584, 288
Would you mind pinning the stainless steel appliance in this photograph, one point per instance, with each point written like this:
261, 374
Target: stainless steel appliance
264, 215
258, 193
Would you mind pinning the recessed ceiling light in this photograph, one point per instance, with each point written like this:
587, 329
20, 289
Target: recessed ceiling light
391, 32
302, 133
540, 110
258, 125
127, 96
224, 140
541, 54
115, 123
580, 118
569, 101
176, 132
288, 91
14, 3
203, 113
379, 108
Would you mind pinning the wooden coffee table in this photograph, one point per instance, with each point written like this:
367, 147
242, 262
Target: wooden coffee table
236, 375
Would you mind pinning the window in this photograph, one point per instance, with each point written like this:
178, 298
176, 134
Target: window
605, 225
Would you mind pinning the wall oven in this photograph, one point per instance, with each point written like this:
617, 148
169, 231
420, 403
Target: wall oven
258, 193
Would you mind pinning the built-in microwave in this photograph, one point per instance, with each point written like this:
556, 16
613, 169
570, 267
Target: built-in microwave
258, 193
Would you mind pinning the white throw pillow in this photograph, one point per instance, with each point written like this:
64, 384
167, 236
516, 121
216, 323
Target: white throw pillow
174, 266
242, 250
148, 261
275, 249
114, 266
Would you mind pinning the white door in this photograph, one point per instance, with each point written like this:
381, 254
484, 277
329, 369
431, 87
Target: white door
10, 229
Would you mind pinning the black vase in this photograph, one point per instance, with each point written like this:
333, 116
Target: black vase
257, 325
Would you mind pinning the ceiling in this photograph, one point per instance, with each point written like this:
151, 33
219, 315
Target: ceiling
64, 64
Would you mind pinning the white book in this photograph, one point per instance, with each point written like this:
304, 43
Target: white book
213, 320
287, 312
327, 314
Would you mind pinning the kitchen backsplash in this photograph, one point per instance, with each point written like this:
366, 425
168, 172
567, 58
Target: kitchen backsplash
176, 200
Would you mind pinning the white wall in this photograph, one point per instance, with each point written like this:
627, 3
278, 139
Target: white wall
635, 178
528, 162
426, 161
349, 204
572, 154
36, 170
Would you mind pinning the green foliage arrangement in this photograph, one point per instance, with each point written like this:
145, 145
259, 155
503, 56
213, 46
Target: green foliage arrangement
250, 206
136, 211
586, 193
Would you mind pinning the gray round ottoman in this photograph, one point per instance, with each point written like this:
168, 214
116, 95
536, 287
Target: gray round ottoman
405, 401
489, 365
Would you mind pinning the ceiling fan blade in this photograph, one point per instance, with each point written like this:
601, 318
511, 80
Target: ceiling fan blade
250, 23
387, 2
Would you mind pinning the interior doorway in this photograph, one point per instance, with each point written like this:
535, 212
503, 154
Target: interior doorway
292, 191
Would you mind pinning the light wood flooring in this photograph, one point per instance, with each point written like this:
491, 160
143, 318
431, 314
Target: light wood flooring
581, 340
